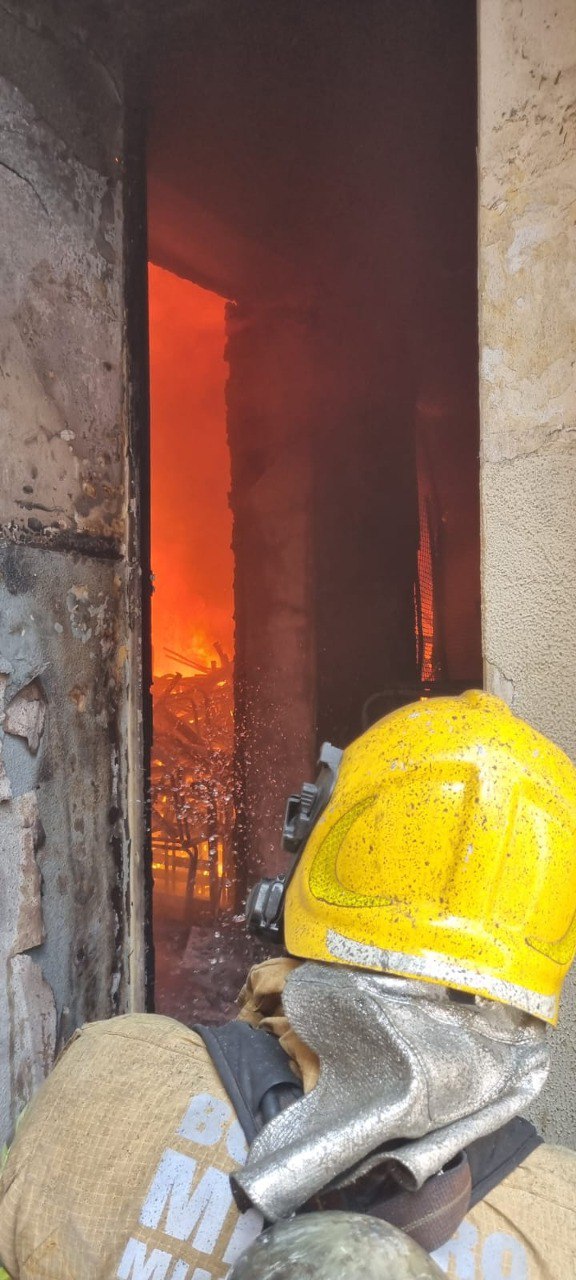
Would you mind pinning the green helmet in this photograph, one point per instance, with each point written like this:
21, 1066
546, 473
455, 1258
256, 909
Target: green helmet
323, 1246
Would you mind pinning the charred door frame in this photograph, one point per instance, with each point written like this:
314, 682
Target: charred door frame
138, 906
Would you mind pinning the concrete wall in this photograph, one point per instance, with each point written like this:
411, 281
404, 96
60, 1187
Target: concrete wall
527, 151
65, 580
325, 537
269, 412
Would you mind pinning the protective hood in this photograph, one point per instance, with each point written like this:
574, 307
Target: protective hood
408, 1078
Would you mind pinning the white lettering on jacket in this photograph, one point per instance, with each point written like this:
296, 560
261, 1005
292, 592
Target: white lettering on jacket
468, 1256
172, 1205
179, 1208
205, 1119
136, 1264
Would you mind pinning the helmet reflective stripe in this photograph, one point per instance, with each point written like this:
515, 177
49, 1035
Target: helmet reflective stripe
437, 968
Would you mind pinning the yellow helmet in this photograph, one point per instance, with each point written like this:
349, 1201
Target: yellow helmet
446, 852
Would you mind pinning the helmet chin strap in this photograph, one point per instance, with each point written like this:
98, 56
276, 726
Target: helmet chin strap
408, 1078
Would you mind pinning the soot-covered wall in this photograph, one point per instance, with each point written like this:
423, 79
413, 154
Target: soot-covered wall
68, 594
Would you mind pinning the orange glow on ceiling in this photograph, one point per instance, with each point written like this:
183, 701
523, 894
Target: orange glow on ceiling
192, 563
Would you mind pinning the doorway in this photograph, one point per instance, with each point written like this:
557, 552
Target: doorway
315, 166
192, 805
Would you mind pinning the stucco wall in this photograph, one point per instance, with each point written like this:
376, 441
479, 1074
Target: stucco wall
65, 579
527, 156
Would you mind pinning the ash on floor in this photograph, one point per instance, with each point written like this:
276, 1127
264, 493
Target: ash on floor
200, 969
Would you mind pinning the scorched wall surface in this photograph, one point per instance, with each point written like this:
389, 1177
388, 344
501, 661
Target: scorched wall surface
65, 582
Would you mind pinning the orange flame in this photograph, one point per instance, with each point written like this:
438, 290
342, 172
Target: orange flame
192, 562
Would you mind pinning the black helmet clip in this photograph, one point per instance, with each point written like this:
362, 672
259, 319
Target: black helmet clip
265, 905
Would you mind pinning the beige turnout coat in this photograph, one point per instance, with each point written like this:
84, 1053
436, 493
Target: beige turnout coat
119, 1169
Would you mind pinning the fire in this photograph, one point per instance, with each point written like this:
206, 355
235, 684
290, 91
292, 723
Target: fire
425, 594
192, 604
192, 563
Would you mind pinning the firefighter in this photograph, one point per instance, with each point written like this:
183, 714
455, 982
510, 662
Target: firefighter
381, 1066
431, 916
334, 1246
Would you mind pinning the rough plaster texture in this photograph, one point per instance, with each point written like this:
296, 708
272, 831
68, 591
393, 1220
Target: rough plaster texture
61, 833
64, 579
527, 157
60, 295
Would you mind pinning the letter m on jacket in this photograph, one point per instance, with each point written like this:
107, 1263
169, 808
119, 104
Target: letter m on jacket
177, 1207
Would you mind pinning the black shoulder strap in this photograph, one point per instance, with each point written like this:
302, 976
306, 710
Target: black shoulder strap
493, 1157
255, 1072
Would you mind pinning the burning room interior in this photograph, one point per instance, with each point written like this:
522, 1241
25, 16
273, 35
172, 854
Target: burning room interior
314, 420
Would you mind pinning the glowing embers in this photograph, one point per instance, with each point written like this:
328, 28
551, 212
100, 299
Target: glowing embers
192, 558
192, 609
427, 646
192, 806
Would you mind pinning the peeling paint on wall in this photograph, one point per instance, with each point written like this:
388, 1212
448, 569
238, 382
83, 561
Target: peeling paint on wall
64, 837
32, 1015
25, 715
61, 827
27, 1006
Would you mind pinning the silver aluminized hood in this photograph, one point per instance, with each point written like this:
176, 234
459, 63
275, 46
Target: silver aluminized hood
408, 1078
